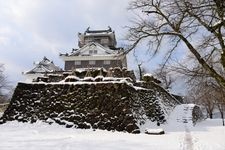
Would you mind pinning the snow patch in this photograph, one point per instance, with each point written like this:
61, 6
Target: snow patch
147, 75
155, 131
207, 135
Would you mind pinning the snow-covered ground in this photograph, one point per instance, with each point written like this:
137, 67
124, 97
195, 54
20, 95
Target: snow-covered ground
207, 135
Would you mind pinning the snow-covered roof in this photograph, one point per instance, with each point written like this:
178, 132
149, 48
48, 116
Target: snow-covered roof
93, 45
147, 75
44, 66
105, 37
107, 31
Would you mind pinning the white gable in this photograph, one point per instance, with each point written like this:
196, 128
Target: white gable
95, 49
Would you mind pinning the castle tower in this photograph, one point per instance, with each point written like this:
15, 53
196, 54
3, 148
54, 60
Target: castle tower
97, 49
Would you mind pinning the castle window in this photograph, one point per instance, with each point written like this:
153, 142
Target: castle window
106, 62
93, 52
91, 62
77, 62
97, 40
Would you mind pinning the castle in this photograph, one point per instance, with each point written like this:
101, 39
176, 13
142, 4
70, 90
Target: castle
97, 50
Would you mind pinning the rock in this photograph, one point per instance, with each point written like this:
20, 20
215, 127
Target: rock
95, 126
98, 78
69, 126
83, 125
108, 125
136, 131
131, 127
155, 131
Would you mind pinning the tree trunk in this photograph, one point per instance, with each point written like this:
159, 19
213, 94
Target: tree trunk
220, 79
140, 71
223, 59
209, 113
223, 119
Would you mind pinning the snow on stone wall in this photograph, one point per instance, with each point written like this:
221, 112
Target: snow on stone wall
103, 105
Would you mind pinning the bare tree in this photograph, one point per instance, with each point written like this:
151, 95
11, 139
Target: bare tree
200, 92
141, 70
165, 76
183, 21
206, 92
220, 101
203, 89
4, 85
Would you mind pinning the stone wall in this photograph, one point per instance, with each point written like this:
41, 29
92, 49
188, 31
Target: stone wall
164, 96
112, 72
111, 106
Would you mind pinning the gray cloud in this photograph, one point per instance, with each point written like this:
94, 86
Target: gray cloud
30, 30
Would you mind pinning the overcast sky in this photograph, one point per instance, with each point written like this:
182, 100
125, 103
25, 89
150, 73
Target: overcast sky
32, 29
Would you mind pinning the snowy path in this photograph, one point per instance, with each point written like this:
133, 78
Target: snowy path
181, 117
188, 141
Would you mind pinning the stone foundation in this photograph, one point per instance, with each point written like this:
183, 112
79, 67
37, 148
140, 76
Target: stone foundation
112, 105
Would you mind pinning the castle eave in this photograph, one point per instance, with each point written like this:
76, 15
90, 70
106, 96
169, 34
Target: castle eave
98, 57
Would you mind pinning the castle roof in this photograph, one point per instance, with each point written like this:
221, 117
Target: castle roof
96, 46
98, 31
44, 66
104, 37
